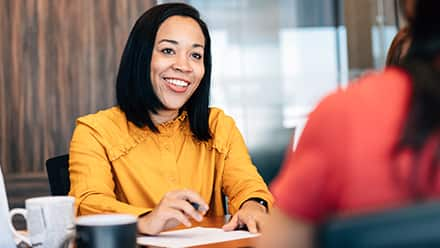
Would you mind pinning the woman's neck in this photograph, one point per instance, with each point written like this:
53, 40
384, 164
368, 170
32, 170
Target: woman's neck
163, 116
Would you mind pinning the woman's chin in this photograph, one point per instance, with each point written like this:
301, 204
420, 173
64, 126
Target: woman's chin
173, 104
172, 107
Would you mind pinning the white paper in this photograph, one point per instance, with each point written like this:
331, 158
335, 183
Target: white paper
193, 236
6, 239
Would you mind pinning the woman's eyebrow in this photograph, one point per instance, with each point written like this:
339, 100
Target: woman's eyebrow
170, 41
195, 45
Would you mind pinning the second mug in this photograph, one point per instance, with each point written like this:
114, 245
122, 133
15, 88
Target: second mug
49, 221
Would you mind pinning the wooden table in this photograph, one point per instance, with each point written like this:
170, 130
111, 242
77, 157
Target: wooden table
219, 222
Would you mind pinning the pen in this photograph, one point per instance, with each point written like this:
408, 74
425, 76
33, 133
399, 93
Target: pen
195, 205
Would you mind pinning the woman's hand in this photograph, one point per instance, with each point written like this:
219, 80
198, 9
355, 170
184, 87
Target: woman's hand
174, 209
251, 214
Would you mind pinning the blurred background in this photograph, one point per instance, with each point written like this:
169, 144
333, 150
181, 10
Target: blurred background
272, 62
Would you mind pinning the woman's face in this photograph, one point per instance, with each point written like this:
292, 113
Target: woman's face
177, 61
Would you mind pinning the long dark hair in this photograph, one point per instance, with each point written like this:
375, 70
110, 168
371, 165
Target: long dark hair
134, 90
396, 52
423, 119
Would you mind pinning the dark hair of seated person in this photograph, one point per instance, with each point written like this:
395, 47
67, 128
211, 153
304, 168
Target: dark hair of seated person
134, 90
423, 65
399, 47
402, 40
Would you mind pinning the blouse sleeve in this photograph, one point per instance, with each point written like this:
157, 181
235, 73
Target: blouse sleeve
91, 179
309, 182
241, 179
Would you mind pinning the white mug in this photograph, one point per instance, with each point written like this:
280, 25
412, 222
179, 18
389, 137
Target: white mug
50, 221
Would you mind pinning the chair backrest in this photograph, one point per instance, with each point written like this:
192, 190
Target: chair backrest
58, 174
415, 226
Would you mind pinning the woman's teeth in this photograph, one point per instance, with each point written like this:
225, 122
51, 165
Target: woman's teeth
177, 82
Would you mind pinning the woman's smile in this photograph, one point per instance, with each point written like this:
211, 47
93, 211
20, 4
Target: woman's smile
177, 85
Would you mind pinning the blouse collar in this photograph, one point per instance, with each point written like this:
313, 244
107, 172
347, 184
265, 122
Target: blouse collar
168, 128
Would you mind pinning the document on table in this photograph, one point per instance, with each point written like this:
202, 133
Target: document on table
192, 237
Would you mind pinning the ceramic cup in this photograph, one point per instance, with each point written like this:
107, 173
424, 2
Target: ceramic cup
106, 231
49, 221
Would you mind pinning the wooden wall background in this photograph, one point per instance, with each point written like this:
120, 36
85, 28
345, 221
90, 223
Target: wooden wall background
59, 61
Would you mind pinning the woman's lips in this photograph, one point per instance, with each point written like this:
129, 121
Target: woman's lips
177, 85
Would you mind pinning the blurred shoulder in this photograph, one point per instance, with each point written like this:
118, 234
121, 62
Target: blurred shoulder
390, 79
370, 92
380, 85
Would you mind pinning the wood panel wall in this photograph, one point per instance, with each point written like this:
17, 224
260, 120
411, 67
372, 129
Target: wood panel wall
58, 61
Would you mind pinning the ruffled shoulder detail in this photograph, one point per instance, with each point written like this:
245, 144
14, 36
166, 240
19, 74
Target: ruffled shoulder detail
118, 136
112, 129
222, 127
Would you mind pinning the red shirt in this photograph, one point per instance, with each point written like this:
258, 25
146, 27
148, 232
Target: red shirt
343, 162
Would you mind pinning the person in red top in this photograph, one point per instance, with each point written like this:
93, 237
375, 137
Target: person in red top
372, 146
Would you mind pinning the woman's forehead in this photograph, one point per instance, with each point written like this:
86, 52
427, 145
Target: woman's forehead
181, 29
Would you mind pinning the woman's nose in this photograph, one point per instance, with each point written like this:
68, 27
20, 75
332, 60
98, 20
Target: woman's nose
182, 64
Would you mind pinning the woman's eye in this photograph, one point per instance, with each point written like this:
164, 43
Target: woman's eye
196, 56
167, 51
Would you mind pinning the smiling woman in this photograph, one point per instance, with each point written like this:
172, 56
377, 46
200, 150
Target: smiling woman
176, 64
162, 150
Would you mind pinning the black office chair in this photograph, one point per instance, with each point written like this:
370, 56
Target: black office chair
417, 226
58, 173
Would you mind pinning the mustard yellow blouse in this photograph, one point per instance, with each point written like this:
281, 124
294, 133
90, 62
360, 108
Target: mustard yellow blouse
118, 167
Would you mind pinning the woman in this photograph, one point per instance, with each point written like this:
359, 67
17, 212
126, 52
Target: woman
162, 153
373, 146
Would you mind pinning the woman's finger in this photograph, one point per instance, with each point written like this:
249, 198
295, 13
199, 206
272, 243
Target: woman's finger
251, 224
232, 224
177, 215
193, 197
185, 207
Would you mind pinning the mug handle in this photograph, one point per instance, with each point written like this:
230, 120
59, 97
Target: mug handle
68, 241
12, 213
